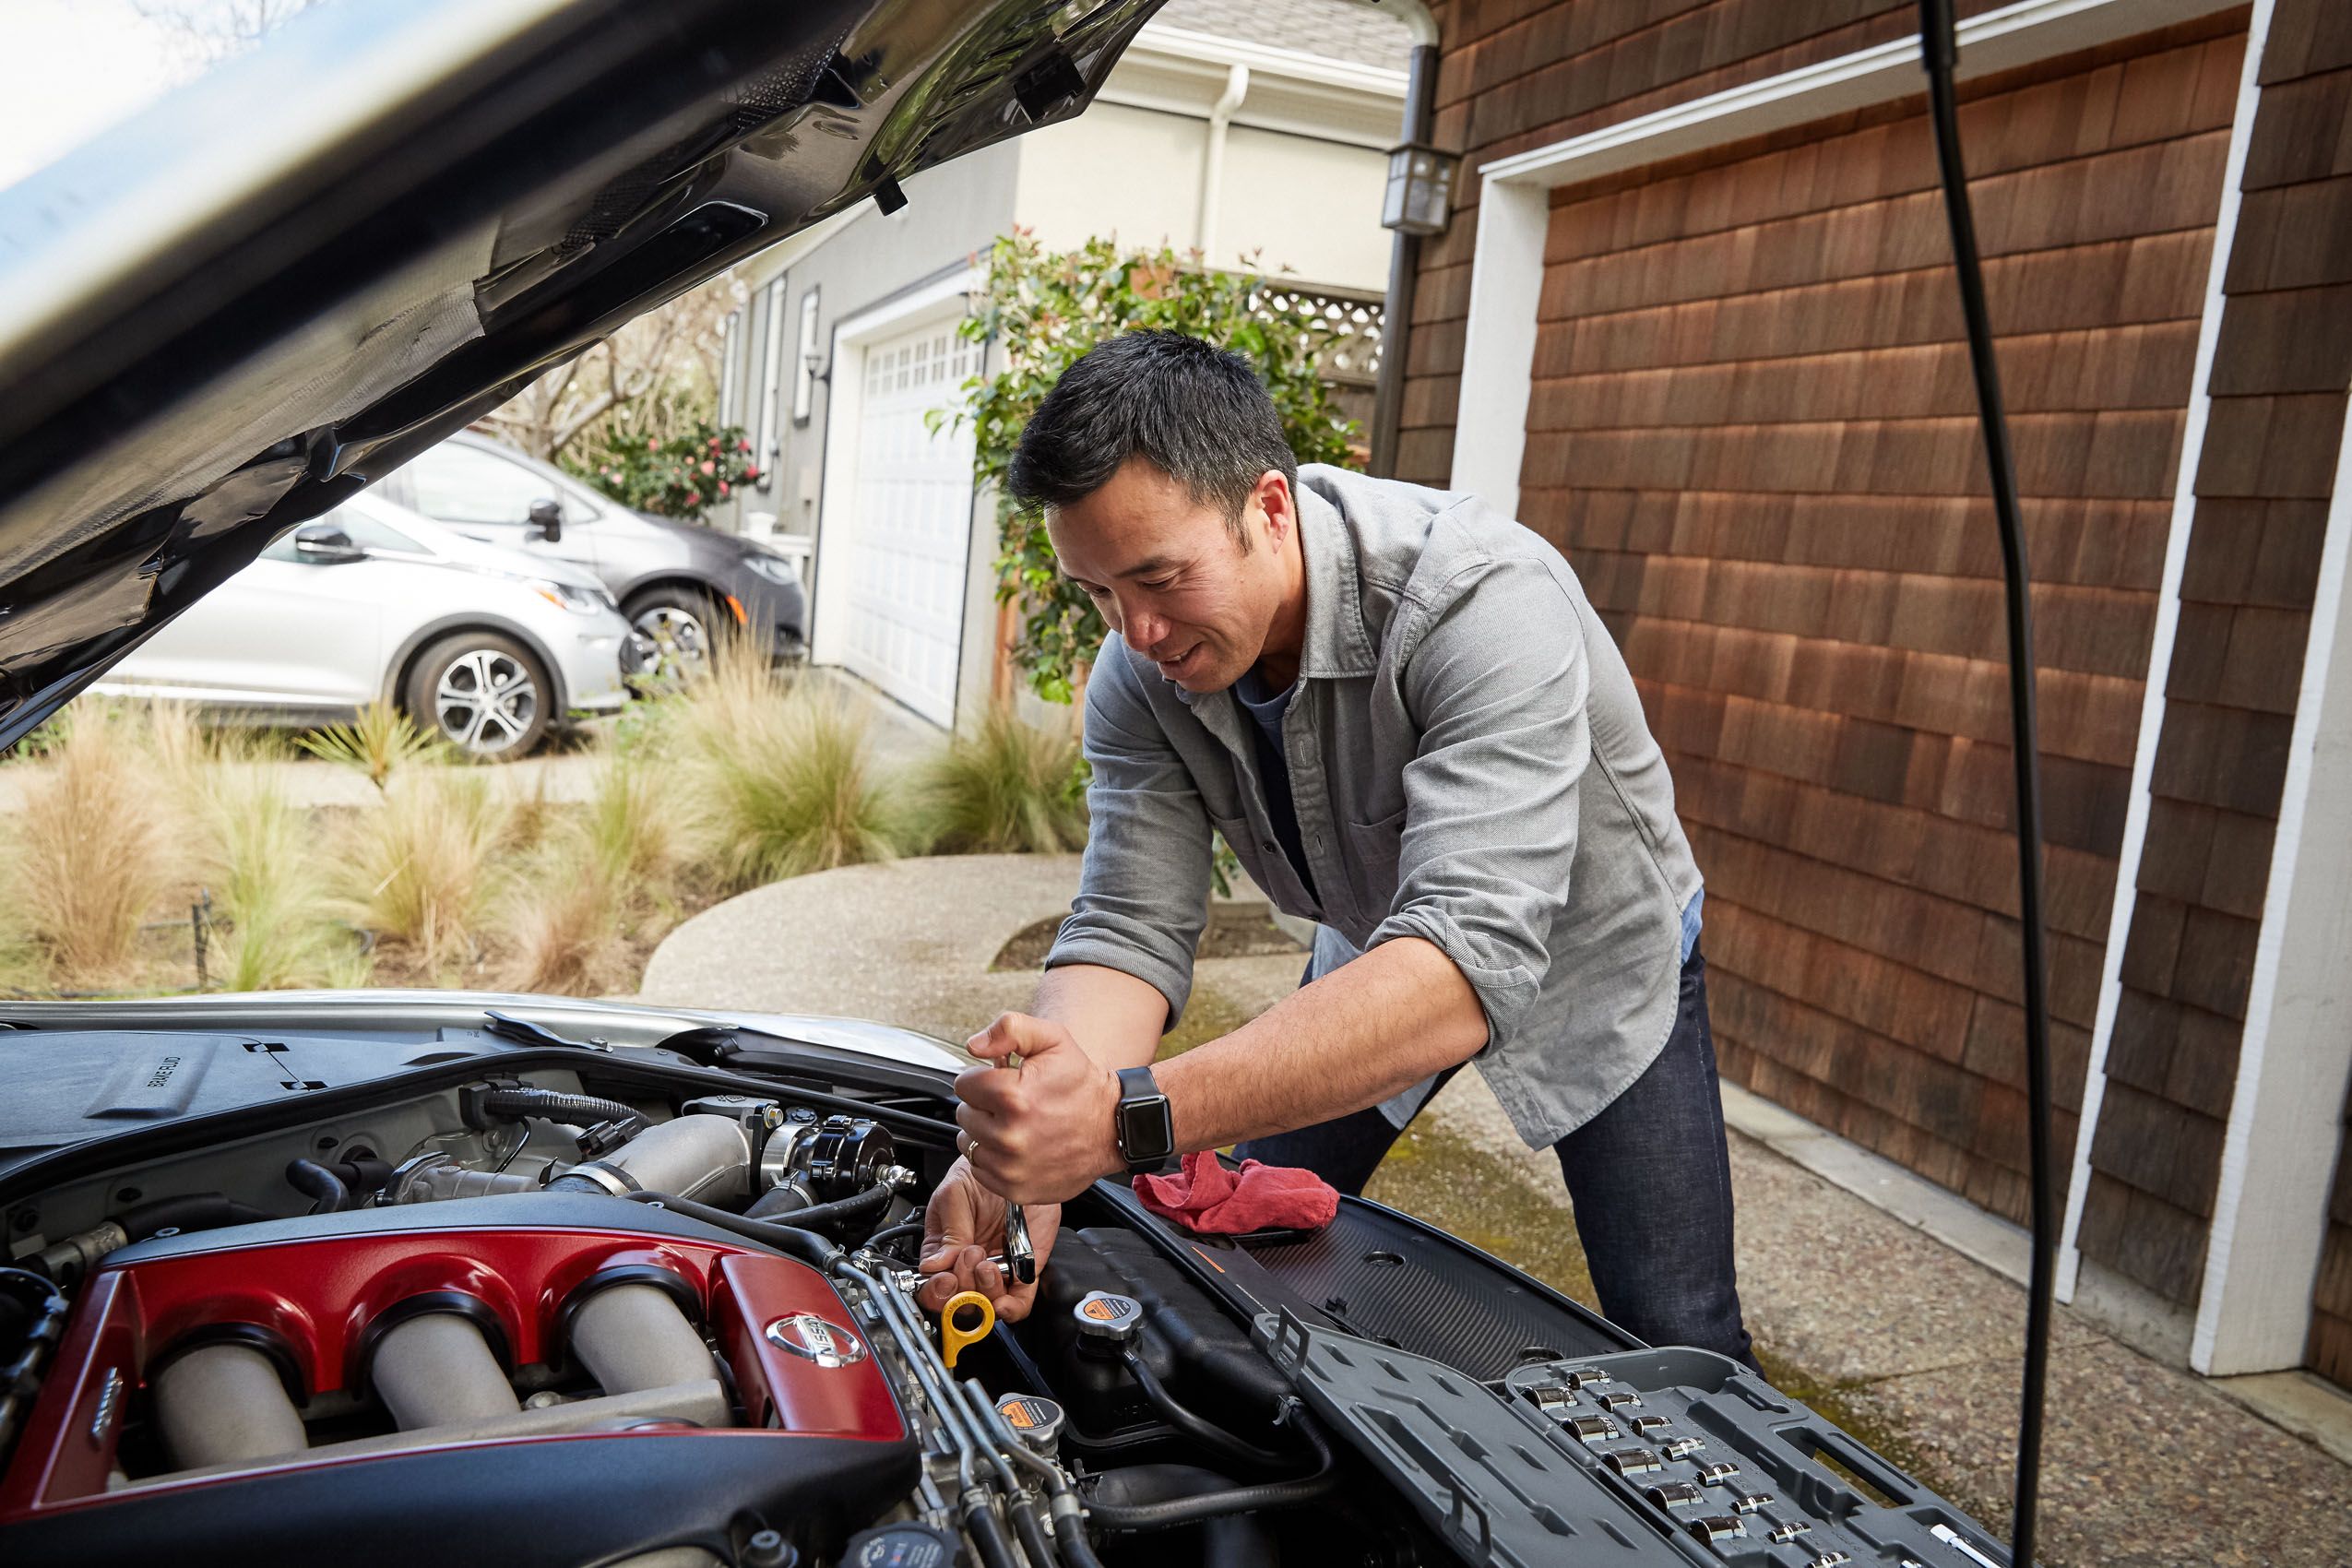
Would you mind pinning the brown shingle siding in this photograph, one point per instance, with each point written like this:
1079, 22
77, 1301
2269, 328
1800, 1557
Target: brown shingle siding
2159, 1149
1752, 431
2306, 38
2290, 340
2293, 237
2255, 551
2306, 133
2221, 756
2141, 366
2278, 448
2283, 359
2112, 283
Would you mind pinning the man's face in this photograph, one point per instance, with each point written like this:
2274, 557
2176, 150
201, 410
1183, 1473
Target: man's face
1167, 573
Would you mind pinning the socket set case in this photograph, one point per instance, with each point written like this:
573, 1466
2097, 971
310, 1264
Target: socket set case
1661, 1456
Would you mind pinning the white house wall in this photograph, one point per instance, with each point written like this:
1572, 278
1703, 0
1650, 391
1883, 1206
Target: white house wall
1313, 206
1130, 173
1310, 202
951, 212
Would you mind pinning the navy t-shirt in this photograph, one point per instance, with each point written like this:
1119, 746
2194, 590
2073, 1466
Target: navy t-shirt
1265, 707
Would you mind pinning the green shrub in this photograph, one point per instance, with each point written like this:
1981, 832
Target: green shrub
380, 741
1045, 309
1006, 789
681, 475
89, 854
781, 779
257, 855
566, 926
423, 867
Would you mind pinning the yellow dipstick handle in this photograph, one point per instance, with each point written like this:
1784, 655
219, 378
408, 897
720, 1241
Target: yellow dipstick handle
954, 1336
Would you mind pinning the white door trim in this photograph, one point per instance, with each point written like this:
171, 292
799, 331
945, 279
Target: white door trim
2139, 803
941, 300
2279, 1151
1506, 279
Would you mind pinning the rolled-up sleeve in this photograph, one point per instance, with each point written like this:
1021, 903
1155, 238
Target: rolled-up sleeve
1142, 892
1497, 688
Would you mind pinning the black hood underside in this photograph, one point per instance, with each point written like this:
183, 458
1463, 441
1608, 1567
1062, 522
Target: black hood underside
222, 318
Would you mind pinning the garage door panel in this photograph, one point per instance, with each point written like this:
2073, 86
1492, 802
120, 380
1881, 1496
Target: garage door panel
912, 531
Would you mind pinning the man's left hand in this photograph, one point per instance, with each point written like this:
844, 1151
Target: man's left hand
1042, 1132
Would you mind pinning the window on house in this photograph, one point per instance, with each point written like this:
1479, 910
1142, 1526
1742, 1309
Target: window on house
731, 378
804, 379
767, 447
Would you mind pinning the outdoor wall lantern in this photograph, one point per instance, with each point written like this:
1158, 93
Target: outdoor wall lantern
1421, 189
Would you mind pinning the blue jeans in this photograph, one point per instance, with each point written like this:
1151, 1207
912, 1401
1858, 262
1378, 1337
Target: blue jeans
1649, 1176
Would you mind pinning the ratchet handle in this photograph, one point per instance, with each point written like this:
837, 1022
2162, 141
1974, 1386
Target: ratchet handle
1020, 1253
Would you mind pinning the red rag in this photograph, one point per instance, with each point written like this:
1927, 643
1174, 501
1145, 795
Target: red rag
1209, 1200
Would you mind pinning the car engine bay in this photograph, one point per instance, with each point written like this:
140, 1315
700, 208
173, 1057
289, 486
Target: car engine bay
501, 1295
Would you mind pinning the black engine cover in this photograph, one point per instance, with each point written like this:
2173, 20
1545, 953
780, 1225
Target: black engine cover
549, 1505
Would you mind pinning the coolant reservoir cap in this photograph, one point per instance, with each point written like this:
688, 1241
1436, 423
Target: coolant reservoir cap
1102, 1315
908, 1545
1036, 1418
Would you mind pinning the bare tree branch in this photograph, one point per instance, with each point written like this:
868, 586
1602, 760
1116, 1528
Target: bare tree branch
661, 367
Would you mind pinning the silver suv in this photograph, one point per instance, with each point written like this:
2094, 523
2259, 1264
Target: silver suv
678, 583
487, 647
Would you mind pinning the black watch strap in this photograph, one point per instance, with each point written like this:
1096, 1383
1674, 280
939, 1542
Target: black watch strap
1146, 1131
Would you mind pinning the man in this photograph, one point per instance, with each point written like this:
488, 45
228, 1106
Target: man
1405, 717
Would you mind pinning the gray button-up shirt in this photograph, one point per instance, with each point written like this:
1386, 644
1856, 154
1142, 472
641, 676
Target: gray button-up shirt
1469, 764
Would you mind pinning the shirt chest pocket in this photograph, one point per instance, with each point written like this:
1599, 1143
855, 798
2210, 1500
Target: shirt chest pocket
1373, 852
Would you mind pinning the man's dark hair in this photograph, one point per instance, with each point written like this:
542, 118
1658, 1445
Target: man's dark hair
1196, 411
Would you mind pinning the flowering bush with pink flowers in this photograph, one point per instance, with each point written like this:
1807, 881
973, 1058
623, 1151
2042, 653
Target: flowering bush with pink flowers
681, 475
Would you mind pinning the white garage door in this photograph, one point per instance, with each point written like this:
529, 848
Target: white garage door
913, 527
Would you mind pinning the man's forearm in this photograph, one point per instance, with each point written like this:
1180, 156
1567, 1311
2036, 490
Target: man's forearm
1378, 1025
1116, 1018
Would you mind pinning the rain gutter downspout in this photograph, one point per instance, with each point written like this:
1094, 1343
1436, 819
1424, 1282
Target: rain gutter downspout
1405, 250
1221, 118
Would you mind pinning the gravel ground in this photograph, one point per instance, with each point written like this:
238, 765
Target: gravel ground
1908, 1344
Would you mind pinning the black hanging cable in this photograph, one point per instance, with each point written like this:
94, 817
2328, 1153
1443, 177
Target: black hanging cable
1940, 52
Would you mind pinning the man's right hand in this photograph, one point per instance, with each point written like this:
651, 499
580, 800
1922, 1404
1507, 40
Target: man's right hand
963, 1226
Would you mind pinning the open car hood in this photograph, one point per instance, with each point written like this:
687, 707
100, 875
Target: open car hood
226, 315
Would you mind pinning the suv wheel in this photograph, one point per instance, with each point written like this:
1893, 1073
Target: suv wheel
678, 623
486, 695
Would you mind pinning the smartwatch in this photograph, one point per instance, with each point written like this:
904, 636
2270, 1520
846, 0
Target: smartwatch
1146, 1133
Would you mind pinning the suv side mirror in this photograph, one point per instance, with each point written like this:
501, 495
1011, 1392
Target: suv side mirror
326, 544
547, 517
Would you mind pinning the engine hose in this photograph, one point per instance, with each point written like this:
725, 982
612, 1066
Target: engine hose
366, 1174
314, 1180
875, 1197
1230, 1540
199, 1211
1196, 1426
1069, 1535
1234, 1500
572, 1109
806, 1245
20, 1379
893, 1232
1035, 1544
988, 1536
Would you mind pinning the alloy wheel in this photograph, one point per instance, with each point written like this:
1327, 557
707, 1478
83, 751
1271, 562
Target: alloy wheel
681, 645
485, 702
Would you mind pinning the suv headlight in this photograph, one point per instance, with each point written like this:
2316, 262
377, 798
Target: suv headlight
775, 568
571, 597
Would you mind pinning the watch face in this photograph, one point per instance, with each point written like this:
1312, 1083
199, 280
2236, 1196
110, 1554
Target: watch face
1145, 1129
